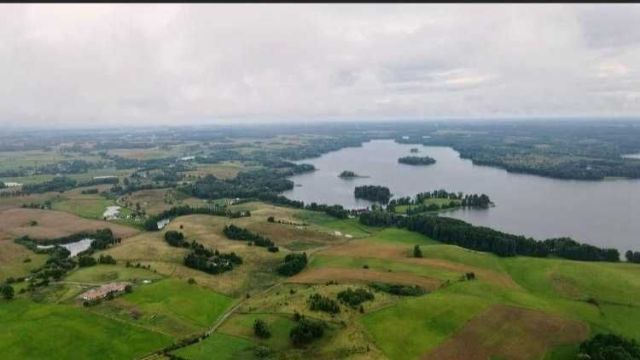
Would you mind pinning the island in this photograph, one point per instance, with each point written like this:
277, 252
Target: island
438, 200
414, 150
348, 174
375, 193
417, 160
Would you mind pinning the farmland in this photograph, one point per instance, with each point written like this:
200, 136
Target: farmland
449, 302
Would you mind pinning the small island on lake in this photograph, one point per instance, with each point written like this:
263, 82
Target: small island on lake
417, 160
438, 200
414, 150
348, 174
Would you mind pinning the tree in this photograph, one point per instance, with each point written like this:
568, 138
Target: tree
261, 330
417, 252
84, 261
7, 291
610, 347
271, 219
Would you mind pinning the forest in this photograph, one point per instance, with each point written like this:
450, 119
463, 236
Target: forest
375, 193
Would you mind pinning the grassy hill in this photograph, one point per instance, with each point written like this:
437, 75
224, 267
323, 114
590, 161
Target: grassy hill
515, 308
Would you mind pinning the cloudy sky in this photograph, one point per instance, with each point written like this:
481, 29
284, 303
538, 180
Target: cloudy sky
177, 64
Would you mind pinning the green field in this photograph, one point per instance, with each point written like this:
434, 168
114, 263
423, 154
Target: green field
39, 331
218, 346
169, 306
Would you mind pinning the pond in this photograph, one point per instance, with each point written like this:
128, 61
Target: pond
74, 248
603, 213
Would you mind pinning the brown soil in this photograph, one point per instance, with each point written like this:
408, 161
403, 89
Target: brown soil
53, 224
509, 332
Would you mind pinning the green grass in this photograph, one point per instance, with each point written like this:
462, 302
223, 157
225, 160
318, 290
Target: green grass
86, 206
169, 306
108, 273
46, 331
242, 325
417, 325
217, 346
401, 236
377, 264
330, 224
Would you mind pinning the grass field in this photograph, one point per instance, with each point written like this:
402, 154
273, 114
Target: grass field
517, 308
108, 273
39, 331
225, 347
168, 306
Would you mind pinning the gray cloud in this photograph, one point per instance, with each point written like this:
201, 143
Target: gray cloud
143, 64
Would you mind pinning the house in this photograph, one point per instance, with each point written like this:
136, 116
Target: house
102, 291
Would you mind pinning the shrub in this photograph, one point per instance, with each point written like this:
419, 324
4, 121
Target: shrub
398, 289
174, 238
610, 347
306, 331
293, 264
6, 291
84, 261
261, 330
318, 302
417, 252
356, 297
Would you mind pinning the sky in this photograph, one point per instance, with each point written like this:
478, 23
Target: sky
145, 64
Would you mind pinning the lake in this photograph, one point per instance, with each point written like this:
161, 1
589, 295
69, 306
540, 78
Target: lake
602, 213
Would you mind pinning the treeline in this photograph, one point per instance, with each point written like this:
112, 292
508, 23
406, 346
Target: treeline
337, 211
63, 183
375, 193
417, 160
151, 224
458, 232
633, 256
237, 233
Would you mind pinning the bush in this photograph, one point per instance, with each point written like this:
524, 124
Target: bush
6, 291
356, 297
261, 330
610, 347
417, 252
174, 238
106, 259
262, 352
306, 331
84, 261
398, 289
293, 264
318, 302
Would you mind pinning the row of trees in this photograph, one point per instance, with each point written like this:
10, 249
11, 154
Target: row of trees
237, 233
633, 256
375, 193
458, 232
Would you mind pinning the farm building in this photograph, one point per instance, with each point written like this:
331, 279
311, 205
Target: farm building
102, 291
